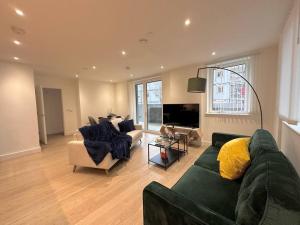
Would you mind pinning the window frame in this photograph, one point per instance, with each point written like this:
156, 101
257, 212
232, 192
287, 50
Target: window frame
226, 64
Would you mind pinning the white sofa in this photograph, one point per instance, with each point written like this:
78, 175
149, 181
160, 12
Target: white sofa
78, 155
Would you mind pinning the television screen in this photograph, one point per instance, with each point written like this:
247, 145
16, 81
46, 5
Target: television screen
184, 115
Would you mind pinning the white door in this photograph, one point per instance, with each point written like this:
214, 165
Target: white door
41, 114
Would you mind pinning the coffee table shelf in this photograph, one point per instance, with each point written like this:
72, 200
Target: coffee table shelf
173, 153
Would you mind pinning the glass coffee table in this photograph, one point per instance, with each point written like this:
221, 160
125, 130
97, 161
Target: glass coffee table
170, 147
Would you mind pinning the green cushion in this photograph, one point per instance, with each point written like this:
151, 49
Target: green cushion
269, 193
261, 141
208, 159
205, 187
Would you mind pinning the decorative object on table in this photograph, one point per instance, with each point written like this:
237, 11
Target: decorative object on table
159, 139
198, 85
170, 132
163, 131
164, 155
193, 135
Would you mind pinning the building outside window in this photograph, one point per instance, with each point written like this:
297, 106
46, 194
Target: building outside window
229, 93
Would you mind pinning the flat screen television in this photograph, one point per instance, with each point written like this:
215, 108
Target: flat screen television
183, 115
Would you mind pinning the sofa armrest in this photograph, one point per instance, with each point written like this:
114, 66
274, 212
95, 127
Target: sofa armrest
138, 127
219, 139
164, 206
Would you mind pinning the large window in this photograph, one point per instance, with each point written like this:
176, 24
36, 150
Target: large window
229, 93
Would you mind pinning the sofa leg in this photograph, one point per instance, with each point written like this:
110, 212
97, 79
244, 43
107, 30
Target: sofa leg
107, 172
74, 168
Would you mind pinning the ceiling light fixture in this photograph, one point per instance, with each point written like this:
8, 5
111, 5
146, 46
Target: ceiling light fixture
16, 58
94, 67
123, 52
131, 75
213, 53
16, 42
76, 75
162, 67
110, 80
187, 22
19, 12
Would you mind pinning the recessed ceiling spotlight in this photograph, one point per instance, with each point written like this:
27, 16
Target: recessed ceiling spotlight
123, 52
16, 42
16, 58
187, 22
76, 75
162, 67
213, 53
131, 75
110, 80
94, 67
19, 12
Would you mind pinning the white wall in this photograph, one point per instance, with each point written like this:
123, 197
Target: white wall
18, 115
290, 144
96, 99
70, 102
288, 134
121, 99
53, 110
265, 82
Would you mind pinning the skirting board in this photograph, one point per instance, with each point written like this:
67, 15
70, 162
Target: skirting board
69, 133
20, 153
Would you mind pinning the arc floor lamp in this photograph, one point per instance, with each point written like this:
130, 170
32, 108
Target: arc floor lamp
198, 85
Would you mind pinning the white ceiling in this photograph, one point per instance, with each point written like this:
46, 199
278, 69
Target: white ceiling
62, 36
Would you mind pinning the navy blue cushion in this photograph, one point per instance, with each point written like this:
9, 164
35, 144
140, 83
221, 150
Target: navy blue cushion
126, 126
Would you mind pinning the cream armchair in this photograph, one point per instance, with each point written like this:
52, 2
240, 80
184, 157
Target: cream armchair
78, 155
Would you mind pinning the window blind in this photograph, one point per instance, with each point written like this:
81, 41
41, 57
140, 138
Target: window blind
289, 97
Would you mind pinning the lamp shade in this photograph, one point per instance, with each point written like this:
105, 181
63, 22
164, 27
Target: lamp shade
197, 85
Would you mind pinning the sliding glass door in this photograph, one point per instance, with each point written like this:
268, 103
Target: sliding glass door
149, 104
154, 105
139, 99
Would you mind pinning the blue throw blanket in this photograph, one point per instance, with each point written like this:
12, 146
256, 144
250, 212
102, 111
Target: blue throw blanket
103, 138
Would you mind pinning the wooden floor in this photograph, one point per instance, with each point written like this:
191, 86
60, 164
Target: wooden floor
41, 188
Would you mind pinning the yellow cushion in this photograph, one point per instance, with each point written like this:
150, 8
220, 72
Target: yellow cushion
234, 158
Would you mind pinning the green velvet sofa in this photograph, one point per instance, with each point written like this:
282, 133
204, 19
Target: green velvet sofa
267, 194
